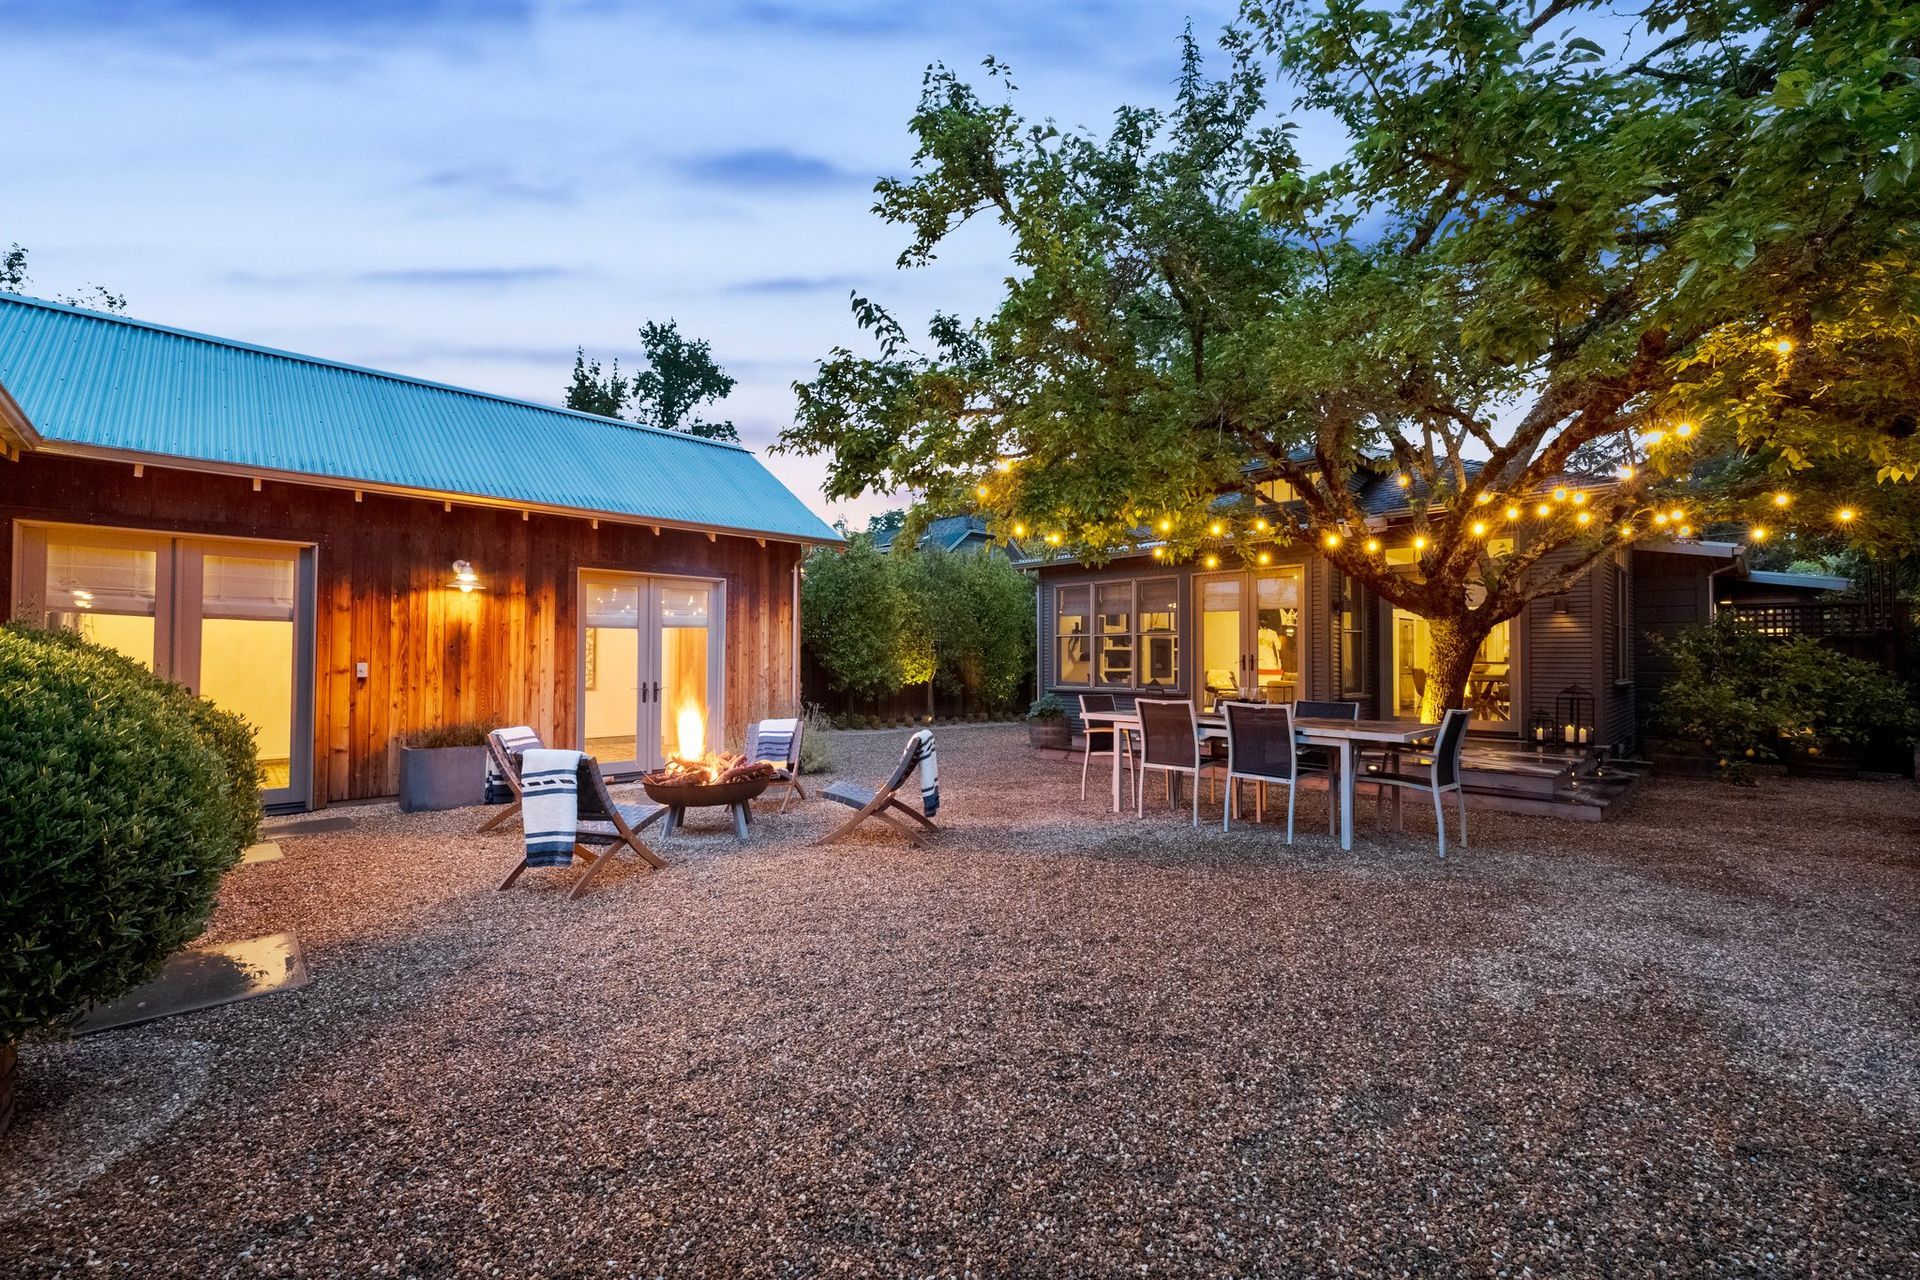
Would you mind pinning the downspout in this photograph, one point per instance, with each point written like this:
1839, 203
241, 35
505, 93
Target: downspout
800, 708
1713, 597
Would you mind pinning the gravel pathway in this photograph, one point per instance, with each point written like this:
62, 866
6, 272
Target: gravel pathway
1054, 1043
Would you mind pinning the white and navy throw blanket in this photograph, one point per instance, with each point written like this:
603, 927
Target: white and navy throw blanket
518, 738
774, 741
550, 805
929, 772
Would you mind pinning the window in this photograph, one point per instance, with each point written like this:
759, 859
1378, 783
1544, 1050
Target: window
1073, 660
1159, 633
1620, 646
1489, 691
1351, 611
1118, 635
1113, 628
1277, 491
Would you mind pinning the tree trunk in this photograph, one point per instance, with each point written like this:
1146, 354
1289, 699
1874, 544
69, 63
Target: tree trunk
1455, 642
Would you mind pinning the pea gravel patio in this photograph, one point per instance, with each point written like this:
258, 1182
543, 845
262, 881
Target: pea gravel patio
1055, 1043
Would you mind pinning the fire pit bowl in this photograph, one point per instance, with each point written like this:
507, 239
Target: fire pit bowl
679, 796
693, 795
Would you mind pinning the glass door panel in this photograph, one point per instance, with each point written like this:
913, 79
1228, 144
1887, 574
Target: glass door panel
108, 594
1489, 692
686, 642
1222, 628
610, 707
1277, 634
247, 650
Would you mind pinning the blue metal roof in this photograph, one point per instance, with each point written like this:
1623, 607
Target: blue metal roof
87, 382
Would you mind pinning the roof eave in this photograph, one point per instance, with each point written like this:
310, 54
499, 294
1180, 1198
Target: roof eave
17, 431
100, 453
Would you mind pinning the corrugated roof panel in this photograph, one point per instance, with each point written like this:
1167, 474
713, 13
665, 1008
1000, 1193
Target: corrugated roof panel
85, 378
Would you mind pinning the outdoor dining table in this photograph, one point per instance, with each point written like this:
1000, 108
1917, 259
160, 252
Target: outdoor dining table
1342, 736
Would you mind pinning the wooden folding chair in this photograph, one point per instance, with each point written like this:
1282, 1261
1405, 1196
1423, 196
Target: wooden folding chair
603, 823
880, 804
505, 760
789, 775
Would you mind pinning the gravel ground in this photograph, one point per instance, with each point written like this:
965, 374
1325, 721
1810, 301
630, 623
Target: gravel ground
1053, 1043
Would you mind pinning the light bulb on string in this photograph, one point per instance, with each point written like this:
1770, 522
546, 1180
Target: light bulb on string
1846, 514
1419, 542
1784, 346
1660, 518
1019, 530
1479, 528
1213, 562
1543, 510
1585, 517
1166, 525
1655, 437
1580, 498
1482, 500
1373, 546
1404, 480
1559, 495
1625, 471
1758, 533
1683, 430
1331, 539
1782, 499
1513, 513
1216, 528
1264, 558
1686, 531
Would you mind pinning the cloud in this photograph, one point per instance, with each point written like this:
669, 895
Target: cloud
765, 168
344, 20
793, 284
500, 183
464, 277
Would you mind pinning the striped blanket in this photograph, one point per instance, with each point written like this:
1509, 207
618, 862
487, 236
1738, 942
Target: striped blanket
922, 747
773, 740
517, 738
550, 805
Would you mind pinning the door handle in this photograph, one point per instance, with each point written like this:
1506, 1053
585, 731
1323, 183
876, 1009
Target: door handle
643, 691
656, 691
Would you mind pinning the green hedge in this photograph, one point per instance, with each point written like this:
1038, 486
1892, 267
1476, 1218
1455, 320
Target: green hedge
123, 801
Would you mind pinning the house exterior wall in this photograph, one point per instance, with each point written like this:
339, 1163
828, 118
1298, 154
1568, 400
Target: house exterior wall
1670, 592
506, 654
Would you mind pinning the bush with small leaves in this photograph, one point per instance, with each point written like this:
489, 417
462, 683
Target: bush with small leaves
123, 801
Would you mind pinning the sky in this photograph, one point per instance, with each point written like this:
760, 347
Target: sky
468, 190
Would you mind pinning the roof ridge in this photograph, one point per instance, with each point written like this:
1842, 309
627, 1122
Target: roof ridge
108, 317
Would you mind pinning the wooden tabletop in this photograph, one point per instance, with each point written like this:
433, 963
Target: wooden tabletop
1321, 727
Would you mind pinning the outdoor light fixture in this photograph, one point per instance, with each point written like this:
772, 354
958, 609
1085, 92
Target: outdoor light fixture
1561, 603
464, 578
1846, 514
1684, 430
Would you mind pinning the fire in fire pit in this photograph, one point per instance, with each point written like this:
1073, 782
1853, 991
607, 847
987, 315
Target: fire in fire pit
699, 778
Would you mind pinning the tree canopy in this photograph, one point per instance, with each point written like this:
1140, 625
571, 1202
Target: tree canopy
14, 278
1583, 275
679, 377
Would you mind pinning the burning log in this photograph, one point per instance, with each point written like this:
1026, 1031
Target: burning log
712, 770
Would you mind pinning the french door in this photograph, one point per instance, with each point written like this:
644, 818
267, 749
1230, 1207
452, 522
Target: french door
650, 668
1252, 634
231, 620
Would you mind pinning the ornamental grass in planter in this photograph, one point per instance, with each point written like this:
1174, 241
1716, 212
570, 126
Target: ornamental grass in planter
443, 767
123, 801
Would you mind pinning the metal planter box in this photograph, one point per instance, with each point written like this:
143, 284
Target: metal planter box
442, 777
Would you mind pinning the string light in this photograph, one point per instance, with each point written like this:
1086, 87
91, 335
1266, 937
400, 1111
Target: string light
1655, 437
1332, 539
1846, 514
1003, 465
1677, 514
1585, 517
1159, 553
1166, 525
1684, 430
1479, 528
1373, 546
1019, 530
1261, 525
1213, 562
1543, 510
1216, 528
1559, 495
1758, 533
1513, 513
1419, 542
1686, 531
1404, 480
1660, 517
980, 489
1264, 558
1580, 499
1053, 539
1782, 499
1784, 346
1482, 500
1625, 471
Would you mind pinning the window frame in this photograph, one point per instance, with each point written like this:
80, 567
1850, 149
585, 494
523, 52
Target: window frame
1136, 635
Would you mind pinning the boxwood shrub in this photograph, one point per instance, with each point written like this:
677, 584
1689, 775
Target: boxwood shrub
123, 800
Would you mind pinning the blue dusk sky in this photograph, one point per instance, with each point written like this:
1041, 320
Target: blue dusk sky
467, 190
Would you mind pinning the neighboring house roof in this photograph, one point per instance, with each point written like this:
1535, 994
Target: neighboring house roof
948, 533
1801, 581
90, 384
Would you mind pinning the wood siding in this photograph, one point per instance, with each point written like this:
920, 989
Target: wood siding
1669, 592
503, 655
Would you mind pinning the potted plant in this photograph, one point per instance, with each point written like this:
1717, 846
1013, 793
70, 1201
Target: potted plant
443, 768
1047, 723
1827, 707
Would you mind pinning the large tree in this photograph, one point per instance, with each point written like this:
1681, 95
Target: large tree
679, 377
14, 278
1582, 275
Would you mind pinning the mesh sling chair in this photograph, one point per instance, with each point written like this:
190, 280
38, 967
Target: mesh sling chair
1169, 746
1260, 749
1442, 774
1324, 759
881, 804
1100, 742
605, 825
782, 738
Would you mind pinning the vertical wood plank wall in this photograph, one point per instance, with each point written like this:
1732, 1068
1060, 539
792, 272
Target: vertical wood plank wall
506, 654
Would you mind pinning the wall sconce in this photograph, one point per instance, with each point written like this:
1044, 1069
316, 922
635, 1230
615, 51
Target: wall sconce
1561, 603
464, 578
